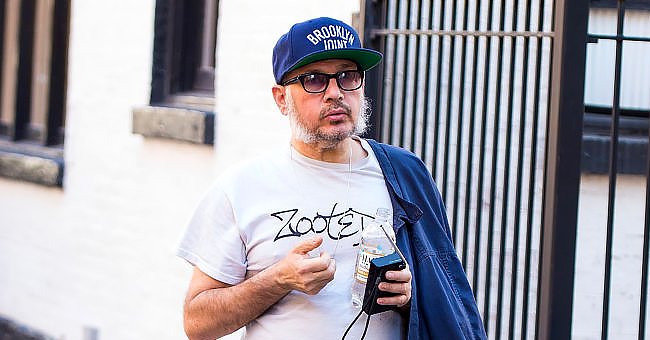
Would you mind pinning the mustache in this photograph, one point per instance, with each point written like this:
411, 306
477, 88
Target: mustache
335, 106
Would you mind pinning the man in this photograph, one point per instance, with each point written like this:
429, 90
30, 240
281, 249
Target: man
274, 243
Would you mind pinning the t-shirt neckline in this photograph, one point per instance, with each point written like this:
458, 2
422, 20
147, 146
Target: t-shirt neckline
304, 160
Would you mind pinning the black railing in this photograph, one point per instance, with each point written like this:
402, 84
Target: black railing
490, 94
618, 161
646, 243
450, 76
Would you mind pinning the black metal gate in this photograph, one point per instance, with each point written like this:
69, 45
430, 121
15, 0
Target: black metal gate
466, 87
616, 140
490, 94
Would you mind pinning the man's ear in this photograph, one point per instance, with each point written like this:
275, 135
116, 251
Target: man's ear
280, 96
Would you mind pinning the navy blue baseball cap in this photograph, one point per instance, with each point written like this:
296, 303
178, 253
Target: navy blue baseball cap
320, 39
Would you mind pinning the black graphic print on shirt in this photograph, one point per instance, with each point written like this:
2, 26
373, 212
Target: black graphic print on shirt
341, 224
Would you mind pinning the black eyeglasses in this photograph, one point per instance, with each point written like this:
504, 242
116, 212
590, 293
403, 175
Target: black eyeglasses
316, 82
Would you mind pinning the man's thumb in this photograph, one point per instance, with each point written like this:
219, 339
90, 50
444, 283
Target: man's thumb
306, 246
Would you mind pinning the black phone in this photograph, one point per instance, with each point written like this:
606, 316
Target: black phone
377, 274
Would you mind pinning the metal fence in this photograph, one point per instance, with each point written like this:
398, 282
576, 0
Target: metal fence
619, 143
490, 94
466, 85
466, 88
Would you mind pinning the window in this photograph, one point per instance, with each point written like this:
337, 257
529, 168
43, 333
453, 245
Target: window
33, 58
184, 49
633, 105
182, 81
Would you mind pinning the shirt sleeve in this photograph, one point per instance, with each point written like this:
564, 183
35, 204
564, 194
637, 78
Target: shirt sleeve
212, 241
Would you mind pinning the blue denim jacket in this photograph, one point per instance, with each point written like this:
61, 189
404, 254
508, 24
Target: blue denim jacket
442, 304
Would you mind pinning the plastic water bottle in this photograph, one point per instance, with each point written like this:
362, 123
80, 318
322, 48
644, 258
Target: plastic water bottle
373, 244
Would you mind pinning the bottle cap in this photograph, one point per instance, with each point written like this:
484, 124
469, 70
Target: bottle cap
382, 214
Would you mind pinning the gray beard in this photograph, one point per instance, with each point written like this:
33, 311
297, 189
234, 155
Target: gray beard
312, 136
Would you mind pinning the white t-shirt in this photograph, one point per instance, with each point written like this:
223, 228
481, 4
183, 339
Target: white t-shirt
256, 214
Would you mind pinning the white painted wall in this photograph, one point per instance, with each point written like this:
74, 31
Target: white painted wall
100, 252
627, 250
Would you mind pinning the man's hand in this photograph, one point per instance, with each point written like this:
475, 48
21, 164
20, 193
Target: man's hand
402, 288
297, 271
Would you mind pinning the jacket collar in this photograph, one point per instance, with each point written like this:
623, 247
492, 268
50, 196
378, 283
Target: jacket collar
403, 210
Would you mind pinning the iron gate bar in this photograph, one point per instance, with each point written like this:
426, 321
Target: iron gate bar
561, 187
402, 56
646, 240
395, 65
470, 143
404, 64
413, 47
482, 161
23, 97
448, 116
427, 89
461, 101
531, 180
459, 141
404, 109
459, 134
613, 164
436, 115
420, 81
481, 173
619, 37
495, 147
416, 81
388, 93
390, 65
519, 176
493, 166
479, 194
506, 172
463, 33
59, 70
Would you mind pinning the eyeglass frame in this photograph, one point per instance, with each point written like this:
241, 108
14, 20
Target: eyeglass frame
301, 78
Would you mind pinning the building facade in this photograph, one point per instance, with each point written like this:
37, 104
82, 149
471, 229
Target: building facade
95, 258
116, 117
